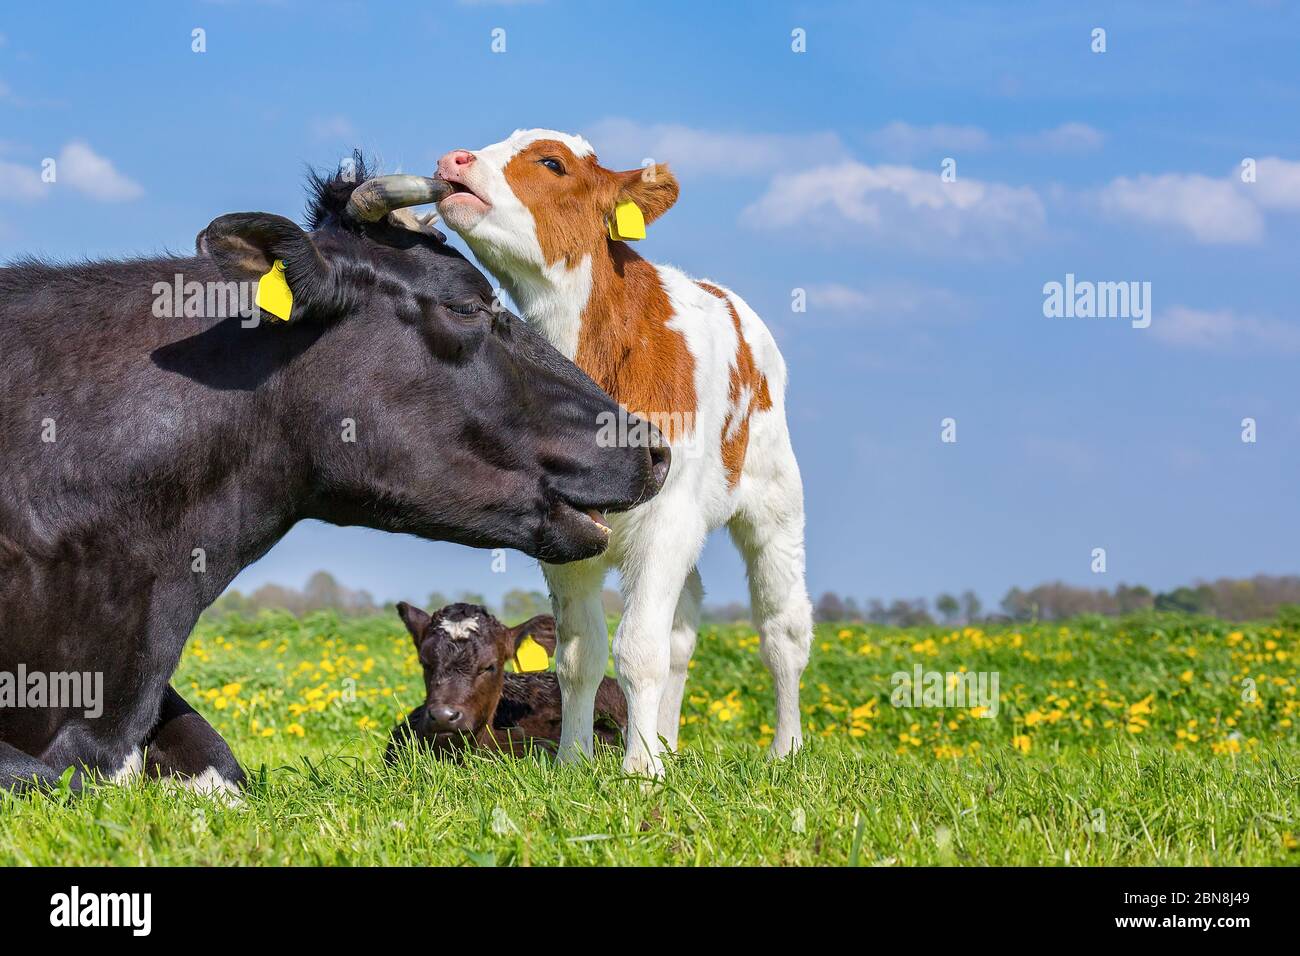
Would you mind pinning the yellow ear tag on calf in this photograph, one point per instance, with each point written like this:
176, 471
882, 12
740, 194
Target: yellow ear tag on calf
627, 222
530, 656
273, 293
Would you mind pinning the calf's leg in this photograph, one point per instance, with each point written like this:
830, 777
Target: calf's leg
582, 650
768, 530
654, 568
686, 624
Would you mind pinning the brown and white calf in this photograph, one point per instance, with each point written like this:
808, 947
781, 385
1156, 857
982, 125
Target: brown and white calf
700, 363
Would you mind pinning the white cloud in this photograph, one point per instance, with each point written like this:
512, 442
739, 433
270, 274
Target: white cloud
838, 298
1066, 138
897, 203
704, 152
621, 141
1277, 184
86, 171
888, 302
1224, 330
18, 182
1212, 210
77, 166
333, 128
1223, 210
904, 139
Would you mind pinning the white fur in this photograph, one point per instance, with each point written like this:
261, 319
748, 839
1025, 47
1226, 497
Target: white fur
209, 783
131, 768
656, 546
462, 629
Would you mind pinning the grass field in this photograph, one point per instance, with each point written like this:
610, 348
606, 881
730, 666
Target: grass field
1148, 740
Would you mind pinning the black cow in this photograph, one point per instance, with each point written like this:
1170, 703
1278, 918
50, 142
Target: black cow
146, 459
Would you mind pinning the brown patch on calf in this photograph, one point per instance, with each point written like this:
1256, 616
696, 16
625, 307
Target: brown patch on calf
625, 343
744, 374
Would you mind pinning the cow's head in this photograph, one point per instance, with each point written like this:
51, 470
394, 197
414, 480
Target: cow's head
540, 197
420, 404
463, 650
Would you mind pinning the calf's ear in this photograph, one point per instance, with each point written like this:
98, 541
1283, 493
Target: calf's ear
541, 628
654, 189
416, 620
246, 246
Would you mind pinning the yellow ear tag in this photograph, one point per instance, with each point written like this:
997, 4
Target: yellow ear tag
273, 292
530, 656
627, 222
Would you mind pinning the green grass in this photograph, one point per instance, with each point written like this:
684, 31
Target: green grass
1152, 740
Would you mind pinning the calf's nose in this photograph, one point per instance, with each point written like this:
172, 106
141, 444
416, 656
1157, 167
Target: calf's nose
454, 163
445, 717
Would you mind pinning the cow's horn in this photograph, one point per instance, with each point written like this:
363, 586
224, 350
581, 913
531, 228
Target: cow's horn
376, 198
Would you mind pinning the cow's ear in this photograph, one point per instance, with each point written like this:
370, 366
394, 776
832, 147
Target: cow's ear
541, 628
247, 245
416, 621
654, 189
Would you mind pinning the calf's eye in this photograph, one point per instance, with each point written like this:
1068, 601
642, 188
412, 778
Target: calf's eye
553, 164
464, 308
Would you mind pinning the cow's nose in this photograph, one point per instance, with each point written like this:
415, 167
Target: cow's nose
661, 460
460, 157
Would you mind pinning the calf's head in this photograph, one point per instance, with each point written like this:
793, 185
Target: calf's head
541, 197
463, 650
419, 404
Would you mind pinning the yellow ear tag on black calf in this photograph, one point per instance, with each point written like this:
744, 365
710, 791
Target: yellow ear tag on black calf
273, 293
530, 656
627, 222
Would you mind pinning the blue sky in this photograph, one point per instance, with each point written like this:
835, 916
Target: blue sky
817, 171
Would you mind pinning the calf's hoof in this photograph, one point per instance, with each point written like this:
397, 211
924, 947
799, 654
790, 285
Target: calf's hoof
784, 746
643, 764
574, 752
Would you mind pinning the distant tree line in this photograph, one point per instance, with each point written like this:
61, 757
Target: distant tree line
1229, 598
323, 592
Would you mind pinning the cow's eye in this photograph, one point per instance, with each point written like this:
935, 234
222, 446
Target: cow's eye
553, 164
490, 669
467, 308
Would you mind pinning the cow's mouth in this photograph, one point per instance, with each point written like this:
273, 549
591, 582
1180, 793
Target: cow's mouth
578, 529
593, 516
